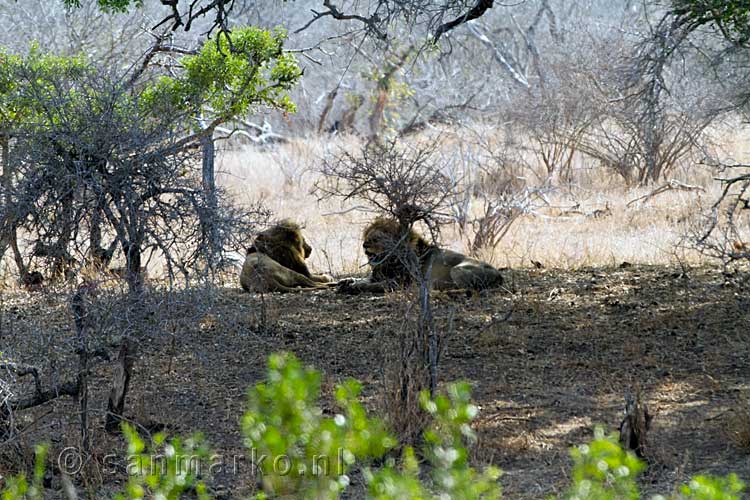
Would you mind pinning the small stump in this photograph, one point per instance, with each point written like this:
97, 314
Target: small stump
634, 427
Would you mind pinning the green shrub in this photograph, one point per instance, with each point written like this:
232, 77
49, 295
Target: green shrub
602, 470
713, 488
18, 488
164, 469
446, 454
298, 450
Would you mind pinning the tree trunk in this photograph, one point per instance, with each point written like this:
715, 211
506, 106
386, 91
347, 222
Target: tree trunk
634, 427
63, 259
120, 383
652, 136
383, 92
6, 222
82, 322
209, 220
133, 270
100, 256
13, 240
327, 109
346, 124
378, 110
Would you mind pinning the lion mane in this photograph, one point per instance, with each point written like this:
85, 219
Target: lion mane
387, 251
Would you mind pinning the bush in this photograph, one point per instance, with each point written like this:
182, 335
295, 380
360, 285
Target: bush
446, 454
296, 448
166, 469
18, 487
602, 470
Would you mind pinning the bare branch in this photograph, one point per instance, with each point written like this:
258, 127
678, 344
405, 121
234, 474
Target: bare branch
476, 12
22, 370
501, 56
159, 46
372, 23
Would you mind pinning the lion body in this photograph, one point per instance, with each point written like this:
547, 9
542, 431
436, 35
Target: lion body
451, 270
389, 254
276, 262
260, 273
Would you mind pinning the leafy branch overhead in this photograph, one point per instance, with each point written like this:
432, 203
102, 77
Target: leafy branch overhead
730, 17
245, 71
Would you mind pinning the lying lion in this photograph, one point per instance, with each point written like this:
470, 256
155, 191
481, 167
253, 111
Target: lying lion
276, 262
385, 249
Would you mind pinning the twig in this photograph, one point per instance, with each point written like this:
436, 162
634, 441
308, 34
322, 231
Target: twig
359, 208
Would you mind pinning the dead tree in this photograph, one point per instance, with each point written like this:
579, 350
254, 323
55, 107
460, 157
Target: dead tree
406, 184
641, 130
120, 383
494, 192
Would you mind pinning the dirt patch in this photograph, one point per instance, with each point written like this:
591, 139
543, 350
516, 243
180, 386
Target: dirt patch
548, 358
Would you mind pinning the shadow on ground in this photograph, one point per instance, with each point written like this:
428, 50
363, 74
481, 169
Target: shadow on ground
549, 358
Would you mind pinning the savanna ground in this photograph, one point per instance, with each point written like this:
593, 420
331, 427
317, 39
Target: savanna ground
617, 304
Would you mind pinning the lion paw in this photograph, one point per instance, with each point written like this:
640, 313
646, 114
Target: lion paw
348, 286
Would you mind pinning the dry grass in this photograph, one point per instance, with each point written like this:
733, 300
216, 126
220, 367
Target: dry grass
565, 234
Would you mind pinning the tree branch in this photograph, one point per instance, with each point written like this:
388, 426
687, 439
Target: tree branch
22, 370
476, 12
371, 23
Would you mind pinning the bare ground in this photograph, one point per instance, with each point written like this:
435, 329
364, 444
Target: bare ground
549, 357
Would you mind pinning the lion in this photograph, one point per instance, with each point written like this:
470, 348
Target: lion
285, 244
386, 253
276, 262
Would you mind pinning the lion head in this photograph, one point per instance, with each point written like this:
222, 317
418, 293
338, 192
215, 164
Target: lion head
284, 243
388, 250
